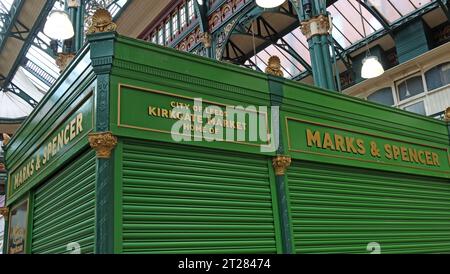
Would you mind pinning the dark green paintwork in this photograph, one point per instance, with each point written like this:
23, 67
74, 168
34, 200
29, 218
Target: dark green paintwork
64, 209
276, 99
120, 60
102, 49
196, 200
337, 213
42, 160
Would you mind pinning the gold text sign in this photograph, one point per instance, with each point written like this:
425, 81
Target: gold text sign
316, 141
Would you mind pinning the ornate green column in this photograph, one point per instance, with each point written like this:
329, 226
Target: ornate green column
281, 162
101, 37
316, 26
205, 35
76, 13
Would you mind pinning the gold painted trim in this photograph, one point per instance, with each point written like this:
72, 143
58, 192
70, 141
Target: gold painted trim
101, 21
103, 143
318, 25
280, 164
4, 211
364, 160
274, 66
358, 159
361, 132
85, 99
119, 124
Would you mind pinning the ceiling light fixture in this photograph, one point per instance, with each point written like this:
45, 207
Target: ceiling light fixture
268, 4
371, 66
59, 26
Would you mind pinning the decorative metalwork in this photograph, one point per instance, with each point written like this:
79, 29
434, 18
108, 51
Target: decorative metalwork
63, 60
274, 67
6, 139
447, 114
319, 25
280, 164
191, 41
4, 211
222, 39
101, 22
103, 143
206, 39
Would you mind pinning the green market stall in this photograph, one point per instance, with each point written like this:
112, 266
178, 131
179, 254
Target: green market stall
99, 168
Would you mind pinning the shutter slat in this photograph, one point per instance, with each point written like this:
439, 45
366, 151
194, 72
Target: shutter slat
341, 210
184, 200
64, 209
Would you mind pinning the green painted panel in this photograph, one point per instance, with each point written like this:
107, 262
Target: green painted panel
180, 199
160, 111
64, 209
152, 59
153, 116
56, 147
342, 210
67, 91
309, 140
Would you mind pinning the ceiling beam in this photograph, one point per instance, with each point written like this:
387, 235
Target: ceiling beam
38, 25
9, 20
19, 92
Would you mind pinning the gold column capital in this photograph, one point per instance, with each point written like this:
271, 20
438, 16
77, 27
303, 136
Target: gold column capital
447, 114
103, 143
101, 21
4, 211
63, 60
206, 39
6, 139
280, 164
318, 25
274, 66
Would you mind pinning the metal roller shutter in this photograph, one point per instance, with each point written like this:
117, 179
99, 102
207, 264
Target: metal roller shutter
178, 199
342, 210
64, 209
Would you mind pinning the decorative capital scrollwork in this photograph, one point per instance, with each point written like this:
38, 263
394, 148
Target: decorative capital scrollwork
206, 39
101, 22
318, 25
274, 66
280, 164
447, 114
4, 211
103, 143
63, 60
6, 139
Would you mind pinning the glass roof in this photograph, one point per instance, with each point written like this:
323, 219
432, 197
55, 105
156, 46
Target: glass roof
393, 10
37, 60
347, 30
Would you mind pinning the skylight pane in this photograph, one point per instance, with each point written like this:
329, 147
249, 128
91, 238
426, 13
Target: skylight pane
347, 29
386, 9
